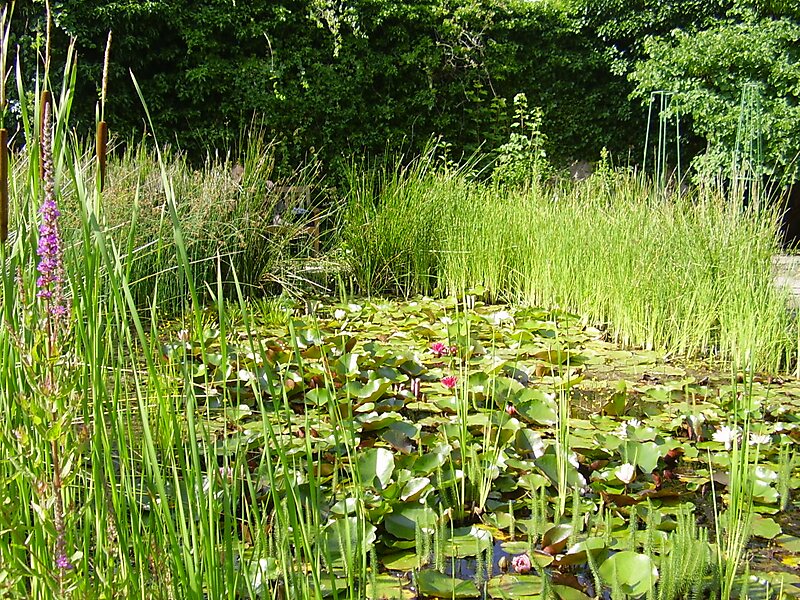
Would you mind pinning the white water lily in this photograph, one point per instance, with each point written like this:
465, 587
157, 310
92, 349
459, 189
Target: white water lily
625, 473
537, 447
500, 317
726, 435
339, 314
759, 439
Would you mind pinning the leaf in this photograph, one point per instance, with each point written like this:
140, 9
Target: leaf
515, 587
375, 467
555, 539
389, 587
414, 488
436, 585
765, 527
402, 522
348, 536
370, 391
632, 572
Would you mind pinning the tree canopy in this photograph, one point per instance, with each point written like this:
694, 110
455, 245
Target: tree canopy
330, 78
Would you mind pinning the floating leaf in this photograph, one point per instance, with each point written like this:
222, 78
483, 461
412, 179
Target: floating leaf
402, 522
414, 488
375, 467
436, 585
389, 587
765, 527
515, 587
634, 573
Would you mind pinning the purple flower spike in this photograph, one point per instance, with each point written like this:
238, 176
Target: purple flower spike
51, 264
62, 562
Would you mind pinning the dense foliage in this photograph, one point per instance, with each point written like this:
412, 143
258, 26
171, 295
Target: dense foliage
328, 79
740, 82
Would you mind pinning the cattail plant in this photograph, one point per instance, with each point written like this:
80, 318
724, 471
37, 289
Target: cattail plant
102, 126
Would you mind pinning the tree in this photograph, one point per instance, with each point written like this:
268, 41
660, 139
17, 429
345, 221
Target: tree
749, 55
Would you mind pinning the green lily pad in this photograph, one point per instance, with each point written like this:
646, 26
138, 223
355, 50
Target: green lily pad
555, 539
632, 572
467, 541
564, 592
375, 467
514, 587
388, 587
414, 489
404, 519
765, 527
436, 585
348, 536
428, 463
401, 561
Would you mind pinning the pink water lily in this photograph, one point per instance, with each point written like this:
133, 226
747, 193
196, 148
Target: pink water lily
439, 349
521, 563
449, 381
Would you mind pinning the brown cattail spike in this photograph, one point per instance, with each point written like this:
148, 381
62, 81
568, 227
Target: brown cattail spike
44, 102
3, 185
102, 144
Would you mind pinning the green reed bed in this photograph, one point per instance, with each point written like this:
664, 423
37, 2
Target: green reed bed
108, 480
689, 274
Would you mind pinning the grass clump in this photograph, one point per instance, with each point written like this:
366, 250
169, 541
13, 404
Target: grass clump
685, 273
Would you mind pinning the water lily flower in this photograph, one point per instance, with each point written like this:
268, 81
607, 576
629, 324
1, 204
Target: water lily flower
449, 381
339, 314
726, 435
521, 563
626, 473
439, 349
760, 439
537, 447
501, 317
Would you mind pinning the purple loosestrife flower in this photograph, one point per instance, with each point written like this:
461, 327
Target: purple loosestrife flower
50, 283
62, 562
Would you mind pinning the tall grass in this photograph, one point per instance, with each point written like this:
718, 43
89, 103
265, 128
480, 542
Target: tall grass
688, 274
112, 479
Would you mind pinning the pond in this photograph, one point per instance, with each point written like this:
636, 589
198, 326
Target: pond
452, 449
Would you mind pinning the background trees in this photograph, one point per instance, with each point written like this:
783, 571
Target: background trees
329, 77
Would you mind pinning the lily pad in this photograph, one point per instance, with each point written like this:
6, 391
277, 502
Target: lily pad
436, 585
375, 467
634, 573
515, 587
